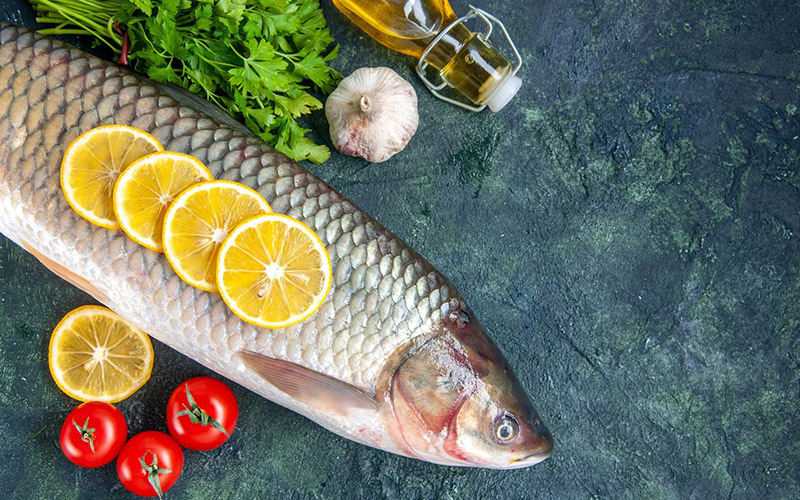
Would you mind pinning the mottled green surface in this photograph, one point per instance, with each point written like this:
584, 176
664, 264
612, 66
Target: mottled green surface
627, 230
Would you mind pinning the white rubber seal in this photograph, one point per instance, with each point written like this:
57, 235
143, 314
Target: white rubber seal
507, 89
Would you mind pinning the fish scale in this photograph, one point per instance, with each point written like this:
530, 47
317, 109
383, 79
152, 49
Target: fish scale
383, 294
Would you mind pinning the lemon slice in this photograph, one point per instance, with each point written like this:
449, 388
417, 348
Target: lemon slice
92, 163
197, 223
273, 271
145, 189
95, 355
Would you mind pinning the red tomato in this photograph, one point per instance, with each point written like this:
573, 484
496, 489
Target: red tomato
202, 413
93, 434
163, 463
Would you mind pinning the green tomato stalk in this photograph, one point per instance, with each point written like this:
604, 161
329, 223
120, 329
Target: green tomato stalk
198, 415
153, 470
87, 433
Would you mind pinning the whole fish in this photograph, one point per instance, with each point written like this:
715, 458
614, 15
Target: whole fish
393, 359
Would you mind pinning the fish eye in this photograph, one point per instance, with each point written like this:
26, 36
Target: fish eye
506, 429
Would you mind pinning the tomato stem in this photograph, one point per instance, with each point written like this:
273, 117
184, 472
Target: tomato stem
153, 470
87, 434
199, 416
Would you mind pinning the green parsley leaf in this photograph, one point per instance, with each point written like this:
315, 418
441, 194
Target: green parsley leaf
229, 13
261, 60
296, 103
146, 6
254, 26
202, 17
262, 118
163, 74
313, 68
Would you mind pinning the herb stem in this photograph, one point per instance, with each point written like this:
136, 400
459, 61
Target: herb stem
89, 16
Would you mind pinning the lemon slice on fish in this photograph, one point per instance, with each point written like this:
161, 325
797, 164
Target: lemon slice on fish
273, 271
145, 189
92, 163
197, 223
95, 355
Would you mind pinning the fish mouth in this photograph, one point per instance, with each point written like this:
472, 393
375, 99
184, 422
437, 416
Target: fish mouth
544, 451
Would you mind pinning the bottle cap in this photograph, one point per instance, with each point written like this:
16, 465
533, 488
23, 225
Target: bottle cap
504, 92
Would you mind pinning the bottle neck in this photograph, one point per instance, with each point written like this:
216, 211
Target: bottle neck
448, 46
468, 64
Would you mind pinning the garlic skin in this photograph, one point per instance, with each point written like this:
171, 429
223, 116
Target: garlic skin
372, 114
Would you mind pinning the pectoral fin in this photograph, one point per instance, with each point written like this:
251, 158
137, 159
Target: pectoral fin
67, 275
307, 386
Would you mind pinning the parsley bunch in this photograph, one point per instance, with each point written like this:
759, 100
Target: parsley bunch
257, 59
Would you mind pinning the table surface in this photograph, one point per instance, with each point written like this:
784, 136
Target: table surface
627, 230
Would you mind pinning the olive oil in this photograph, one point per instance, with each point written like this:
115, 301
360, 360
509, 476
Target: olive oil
463, 60
407, 26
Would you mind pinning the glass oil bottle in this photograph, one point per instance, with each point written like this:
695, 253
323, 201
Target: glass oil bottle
430, 31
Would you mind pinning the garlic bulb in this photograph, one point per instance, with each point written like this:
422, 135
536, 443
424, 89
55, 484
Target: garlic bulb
372, 114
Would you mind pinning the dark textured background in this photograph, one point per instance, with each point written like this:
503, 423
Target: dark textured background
627, 230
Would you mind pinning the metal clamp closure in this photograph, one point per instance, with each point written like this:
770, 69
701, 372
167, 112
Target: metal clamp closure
487, 18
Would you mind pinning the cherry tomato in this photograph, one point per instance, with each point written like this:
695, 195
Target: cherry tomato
150, 463
93, 434
202, 413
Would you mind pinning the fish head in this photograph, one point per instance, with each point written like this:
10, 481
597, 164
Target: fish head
455, 401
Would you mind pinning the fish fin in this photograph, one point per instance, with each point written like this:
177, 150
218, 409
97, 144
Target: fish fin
435, 382
67, 275
308, 386
186, 98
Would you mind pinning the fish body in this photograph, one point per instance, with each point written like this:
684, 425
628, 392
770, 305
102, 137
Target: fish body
392, 359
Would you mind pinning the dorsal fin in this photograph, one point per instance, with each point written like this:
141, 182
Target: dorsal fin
67, 275
307, 386
186, 98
